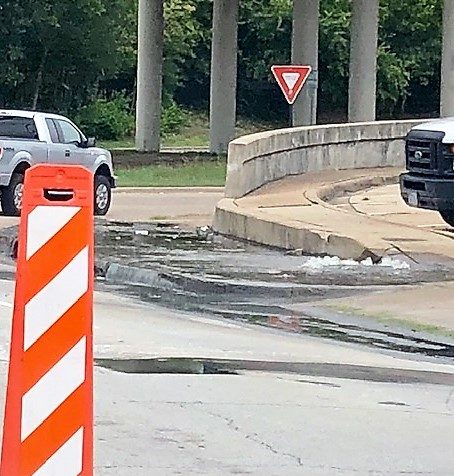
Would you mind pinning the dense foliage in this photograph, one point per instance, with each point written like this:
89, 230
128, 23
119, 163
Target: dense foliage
54, 53
63, 55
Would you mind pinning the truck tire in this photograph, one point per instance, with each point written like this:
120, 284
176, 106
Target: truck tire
12, 196
103, 195
448, 216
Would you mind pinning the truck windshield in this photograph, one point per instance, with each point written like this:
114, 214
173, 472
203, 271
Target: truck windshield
15, 127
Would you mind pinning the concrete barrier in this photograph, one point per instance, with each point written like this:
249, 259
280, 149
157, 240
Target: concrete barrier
130, 158
257, 159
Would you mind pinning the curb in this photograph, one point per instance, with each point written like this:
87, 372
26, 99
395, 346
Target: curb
197, 284
131, 158
132, 275
122, 275
168, 150
255, 226
330, 192
229, 220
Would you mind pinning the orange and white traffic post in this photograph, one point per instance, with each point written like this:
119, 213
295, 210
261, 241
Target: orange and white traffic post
48, 427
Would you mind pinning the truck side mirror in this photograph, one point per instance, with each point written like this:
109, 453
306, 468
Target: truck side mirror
91, 142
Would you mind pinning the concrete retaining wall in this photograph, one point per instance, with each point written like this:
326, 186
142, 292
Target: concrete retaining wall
130, 158
257, 159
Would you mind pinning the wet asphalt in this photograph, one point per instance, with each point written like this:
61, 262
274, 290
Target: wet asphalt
207, 274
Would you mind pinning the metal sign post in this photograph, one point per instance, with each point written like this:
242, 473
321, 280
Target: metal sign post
312, 86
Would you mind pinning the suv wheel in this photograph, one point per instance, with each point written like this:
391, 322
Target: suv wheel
12, 196
448, 216
103, 195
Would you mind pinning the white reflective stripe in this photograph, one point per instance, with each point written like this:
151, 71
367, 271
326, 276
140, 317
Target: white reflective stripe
44, 222
56, 298
53, 389
67, 460
291, 79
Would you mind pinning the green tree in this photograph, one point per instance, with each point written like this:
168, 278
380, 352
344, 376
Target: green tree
408, 57
54, 52
63, 54
409, 72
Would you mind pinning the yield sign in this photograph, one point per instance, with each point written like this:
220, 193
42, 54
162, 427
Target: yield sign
291, 79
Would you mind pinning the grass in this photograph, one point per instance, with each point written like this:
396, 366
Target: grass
117, 144
196, 134
198, 174
389, 319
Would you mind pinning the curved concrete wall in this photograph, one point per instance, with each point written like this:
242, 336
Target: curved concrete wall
257, 159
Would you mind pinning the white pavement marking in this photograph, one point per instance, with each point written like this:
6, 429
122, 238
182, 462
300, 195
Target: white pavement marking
6, 304
53, 389
43, 223
67, 460
56, 298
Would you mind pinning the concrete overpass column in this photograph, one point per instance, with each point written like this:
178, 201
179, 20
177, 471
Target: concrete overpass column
224, 53
447, 62
305, 52
149, 75
363, 61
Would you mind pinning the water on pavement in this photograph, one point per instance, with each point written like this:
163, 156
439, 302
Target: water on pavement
203, 273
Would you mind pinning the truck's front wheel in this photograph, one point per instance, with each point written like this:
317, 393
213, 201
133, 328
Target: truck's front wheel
448, 216
12, 196
103, 194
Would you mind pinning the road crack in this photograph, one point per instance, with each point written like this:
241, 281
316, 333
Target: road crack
450, 399
256, 438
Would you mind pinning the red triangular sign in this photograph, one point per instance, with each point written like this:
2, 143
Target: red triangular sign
291, 79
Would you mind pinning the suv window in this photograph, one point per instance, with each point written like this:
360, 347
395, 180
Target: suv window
15, 127
67, 133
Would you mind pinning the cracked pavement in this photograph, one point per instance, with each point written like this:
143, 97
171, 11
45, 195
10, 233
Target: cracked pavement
268, 424
255, 422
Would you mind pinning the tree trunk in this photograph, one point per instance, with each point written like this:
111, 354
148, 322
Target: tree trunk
39, 80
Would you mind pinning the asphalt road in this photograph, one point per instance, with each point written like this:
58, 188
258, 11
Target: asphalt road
189, 206
258, 423
344, 411
193, 206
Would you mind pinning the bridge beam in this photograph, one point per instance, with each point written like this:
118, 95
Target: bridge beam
447, 63
363, 61
149, 75
224, 60
305, 52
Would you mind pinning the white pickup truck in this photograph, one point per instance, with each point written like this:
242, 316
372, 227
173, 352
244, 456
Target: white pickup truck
429, 180
29, 138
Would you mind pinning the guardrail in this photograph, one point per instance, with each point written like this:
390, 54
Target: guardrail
257, 159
